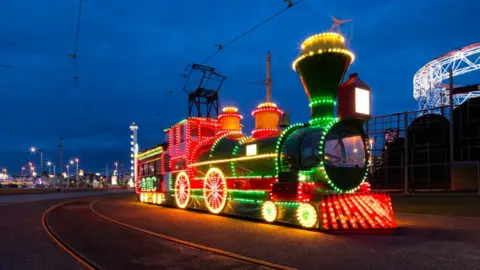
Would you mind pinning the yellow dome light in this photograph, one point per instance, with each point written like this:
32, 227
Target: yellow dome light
230, 109
267, 104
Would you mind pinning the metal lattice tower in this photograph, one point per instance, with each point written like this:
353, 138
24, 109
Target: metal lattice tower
428, 83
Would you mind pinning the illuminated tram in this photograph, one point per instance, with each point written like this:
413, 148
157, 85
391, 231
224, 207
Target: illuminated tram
310, 174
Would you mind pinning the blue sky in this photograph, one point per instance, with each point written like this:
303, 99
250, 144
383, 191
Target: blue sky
131, 52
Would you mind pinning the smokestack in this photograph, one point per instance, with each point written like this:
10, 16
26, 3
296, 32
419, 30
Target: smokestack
230, 119
267, 117
321, 66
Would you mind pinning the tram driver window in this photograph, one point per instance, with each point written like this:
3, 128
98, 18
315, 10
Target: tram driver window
193, 132
344, 148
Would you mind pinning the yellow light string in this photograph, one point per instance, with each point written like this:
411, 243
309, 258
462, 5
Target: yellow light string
149, 152
331, 50
263, 156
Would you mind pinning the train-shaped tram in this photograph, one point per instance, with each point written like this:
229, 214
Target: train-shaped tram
310, 174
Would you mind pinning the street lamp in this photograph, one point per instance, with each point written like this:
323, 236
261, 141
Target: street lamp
116, 169
68, 174
49, 164
23, 169
33, 150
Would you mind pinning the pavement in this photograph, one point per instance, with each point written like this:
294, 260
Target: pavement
25, 198
420, 242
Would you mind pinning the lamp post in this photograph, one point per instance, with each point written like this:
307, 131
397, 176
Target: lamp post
33, 149
76, 169
71, 163
49, 165
23, 169
115, 173
68, 174
31, 167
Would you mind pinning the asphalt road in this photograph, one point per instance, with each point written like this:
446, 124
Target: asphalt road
111, 246
421, 242
24, 243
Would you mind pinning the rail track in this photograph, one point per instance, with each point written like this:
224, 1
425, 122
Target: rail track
90, 264
86, 262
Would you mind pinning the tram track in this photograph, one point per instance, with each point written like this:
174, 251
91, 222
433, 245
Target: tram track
79, 257
224, 253
91, 264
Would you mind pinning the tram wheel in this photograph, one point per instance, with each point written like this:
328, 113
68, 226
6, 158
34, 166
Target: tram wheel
182, 190
215, 190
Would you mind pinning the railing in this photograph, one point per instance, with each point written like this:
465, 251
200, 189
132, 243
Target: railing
406, 166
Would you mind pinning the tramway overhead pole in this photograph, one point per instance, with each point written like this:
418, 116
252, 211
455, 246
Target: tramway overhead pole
60, 150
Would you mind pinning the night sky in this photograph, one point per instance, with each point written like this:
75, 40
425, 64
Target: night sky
131, 53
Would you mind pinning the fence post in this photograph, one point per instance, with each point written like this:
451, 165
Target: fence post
406, 156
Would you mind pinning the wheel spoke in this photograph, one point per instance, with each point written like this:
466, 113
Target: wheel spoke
182, 190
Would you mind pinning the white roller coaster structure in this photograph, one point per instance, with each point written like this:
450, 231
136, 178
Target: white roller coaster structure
428, 87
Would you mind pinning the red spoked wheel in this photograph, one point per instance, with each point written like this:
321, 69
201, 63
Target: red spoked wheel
215, 190
182, 190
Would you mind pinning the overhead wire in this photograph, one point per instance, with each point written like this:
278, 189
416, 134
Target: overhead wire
75, 51
221, 47
20, 45
10, 67
123, 10
74, 56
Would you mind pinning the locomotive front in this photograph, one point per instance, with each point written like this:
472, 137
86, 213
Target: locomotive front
334, 156
328, 151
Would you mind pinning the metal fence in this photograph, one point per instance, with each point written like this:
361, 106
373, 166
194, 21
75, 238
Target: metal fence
410, 151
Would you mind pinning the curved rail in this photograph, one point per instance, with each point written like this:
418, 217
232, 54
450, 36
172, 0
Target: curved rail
66, 247
192, 245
